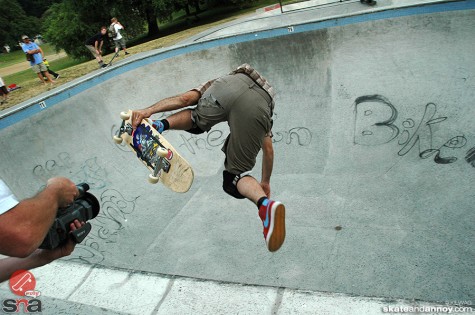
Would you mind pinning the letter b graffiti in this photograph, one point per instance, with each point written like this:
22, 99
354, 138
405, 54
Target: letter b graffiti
374, 117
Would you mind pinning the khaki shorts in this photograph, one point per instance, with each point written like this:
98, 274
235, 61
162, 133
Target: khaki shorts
40, 67
93, 51
246, 107
119, 43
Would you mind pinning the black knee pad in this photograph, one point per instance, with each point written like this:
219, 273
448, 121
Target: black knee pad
195, 130
230, 184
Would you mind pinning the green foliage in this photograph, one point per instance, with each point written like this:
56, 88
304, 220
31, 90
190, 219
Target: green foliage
67, 24
65, 30
36, 8
15, 23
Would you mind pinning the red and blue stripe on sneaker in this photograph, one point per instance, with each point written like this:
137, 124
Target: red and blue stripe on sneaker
272, 214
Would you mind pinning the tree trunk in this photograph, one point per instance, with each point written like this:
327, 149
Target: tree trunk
152, 22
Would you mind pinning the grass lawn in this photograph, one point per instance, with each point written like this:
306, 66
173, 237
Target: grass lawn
16, 56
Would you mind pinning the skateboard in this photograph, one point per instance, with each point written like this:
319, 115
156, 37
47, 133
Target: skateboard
156, 153
113, 57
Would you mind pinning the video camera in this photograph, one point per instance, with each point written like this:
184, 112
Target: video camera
84, 208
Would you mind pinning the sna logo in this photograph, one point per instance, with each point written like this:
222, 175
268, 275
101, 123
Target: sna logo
15, 306
22, 283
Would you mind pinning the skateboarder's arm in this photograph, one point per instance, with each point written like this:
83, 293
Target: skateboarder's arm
23, 228
165, 105
267, 164
38, 258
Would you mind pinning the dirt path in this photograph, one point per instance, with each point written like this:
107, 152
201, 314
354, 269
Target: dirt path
26, 65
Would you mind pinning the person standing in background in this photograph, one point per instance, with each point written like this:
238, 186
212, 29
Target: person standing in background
3, 91
94, 45
56, 76
35, 55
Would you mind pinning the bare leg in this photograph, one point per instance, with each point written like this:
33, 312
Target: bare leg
250, 188
181, 120
40, 75
46, 74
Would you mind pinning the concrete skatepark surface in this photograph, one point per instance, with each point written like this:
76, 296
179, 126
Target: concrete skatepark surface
374, 160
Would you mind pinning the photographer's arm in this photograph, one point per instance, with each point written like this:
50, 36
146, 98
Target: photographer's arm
23, 228
38, 258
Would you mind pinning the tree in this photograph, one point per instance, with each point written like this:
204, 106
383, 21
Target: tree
67, 25
65, 29
36, 8
15, 23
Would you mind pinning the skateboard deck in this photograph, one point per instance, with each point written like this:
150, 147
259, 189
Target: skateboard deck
113, 57
156, 153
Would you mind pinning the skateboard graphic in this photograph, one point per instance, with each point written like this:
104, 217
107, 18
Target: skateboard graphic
156, 153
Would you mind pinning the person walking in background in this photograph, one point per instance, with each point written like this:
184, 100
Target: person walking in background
94, 45
35, 55
119, 40
56, 76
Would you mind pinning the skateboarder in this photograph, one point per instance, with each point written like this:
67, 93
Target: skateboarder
245, 100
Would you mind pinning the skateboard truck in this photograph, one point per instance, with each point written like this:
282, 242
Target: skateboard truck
123, 128
160, 164
159, 155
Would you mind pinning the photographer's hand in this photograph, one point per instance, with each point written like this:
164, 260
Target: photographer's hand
65, 190
48, 255
24, 227
38, 258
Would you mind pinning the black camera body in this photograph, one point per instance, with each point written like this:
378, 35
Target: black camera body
84, 208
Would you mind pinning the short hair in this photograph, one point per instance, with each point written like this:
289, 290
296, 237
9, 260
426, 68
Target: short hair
114, 19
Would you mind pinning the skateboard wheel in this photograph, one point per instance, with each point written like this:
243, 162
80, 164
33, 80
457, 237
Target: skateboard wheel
152, 179
117, 139
124, 115
162, 152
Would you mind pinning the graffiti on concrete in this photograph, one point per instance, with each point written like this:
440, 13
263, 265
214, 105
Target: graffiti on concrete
88, 171
470, 157
300, 136
53, 167
208, 141
375, 118
215, 138
111, 220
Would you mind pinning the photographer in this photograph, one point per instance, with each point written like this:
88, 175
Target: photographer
38, 258
24, 224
